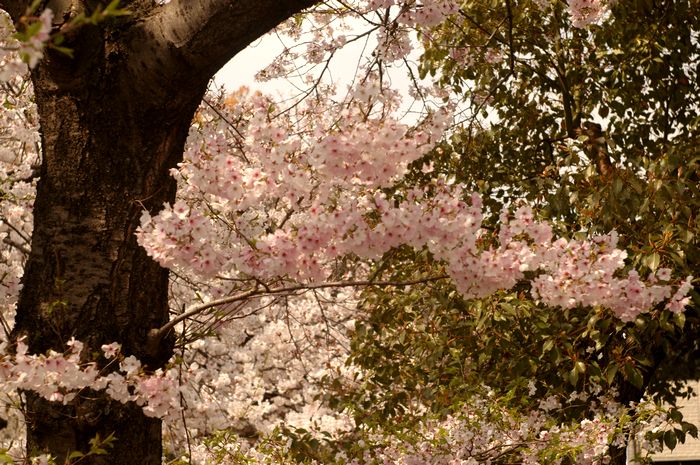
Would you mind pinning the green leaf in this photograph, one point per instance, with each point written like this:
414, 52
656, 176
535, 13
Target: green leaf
679, 319
670, 439
114, 10
653, 261
33, 7
547, 346
676, 415
65, 50
634, 376
573, 376
610, 373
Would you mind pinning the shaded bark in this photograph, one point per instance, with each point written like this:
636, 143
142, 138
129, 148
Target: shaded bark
114, 120
107, 151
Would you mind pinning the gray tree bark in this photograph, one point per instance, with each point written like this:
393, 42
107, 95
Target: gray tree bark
114, 120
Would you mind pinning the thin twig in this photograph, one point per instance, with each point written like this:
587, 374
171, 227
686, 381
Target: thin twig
16, 245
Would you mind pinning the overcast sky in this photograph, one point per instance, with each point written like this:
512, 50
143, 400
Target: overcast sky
242, 68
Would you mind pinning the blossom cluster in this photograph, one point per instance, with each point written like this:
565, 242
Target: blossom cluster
586, 12
19, 157
10, 63
60, 377
392, 25
15, 54
289, 204
484, 431
284, 202
265, 368
424, 14
231, 380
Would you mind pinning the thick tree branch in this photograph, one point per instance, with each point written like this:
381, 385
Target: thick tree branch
208, 33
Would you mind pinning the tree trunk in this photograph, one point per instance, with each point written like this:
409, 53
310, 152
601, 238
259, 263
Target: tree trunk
107, 152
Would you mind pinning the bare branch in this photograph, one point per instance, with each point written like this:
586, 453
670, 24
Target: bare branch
155, 335
16, 245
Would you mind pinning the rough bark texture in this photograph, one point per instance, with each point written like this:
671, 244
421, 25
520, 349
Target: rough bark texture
107, 150
114, 120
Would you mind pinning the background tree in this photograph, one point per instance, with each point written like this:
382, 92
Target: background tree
597, 127
606, 123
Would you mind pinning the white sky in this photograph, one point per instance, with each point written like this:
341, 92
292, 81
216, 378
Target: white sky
242, 68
